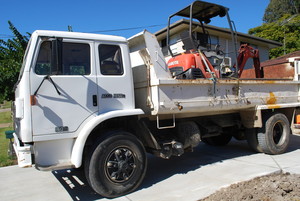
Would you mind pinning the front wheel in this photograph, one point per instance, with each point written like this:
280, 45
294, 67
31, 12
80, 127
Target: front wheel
274, 136
117, 165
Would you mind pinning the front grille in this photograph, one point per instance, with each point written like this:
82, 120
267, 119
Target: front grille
196, 73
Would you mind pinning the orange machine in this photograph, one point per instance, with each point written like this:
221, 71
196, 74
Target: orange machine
199, 59
191, 66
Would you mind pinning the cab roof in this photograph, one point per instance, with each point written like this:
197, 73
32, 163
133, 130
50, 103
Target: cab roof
78, 35
202, 11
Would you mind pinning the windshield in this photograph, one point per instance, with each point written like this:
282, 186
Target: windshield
24, 60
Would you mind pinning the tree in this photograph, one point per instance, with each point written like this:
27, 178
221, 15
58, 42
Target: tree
286, 30
11, 56
278, 8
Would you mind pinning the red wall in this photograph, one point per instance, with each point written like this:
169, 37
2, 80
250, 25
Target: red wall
284, 70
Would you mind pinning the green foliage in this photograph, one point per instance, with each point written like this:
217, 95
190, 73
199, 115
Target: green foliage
278, 8
286, 30
11, 56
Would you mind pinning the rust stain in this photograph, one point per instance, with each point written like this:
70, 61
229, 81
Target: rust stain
273, 106
272, 99
269, 82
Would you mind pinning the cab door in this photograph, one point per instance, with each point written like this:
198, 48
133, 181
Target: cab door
63, 86
114, 77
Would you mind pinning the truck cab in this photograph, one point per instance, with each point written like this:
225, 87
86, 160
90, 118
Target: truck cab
66, 80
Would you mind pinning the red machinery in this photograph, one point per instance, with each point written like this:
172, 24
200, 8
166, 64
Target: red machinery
246, 52
199, 61
196, 65
192, 65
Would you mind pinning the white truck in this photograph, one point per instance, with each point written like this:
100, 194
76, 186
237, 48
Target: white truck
101, 102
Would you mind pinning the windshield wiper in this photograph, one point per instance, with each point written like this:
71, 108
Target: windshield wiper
47, 77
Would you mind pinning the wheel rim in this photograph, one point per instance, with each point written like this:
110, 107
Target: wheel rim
277, 132
120, 164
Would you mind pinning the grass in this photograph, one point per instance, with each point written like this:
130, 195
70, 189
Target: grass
5, 104
5, 159
5, 117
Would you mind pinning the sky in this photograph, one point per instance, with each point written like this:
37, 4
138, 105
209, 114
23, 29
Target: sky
114, 17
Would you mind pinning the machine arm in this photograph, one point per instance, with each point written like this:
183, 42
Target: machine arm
246, 52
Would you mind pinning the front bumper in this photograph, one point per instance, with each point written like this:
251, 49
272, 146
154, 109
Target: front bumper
23, 152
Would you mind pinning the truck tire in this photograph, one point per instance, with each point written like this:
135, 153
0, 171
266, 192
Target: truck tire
274, 136
220, 140
236, 132
117, 165
251, 136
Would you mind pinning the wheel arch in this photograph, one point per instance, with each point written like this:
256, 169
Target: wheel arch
288, 112
91, 126
256, 118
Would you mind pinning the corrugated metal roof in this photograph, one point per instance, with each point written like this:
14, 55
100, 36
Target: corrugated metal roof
281, 59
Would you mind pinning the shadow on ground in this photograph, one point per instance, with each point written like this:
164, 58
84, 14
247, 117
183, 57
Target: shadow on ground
160, 169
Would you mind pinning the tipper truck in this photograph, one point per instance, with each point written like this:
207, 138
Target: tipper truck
102, 102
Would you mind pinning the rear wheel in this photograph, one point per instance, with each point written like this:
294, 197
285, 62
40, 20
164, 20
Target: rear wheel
251, 136
220, 140
274, 136
117, 165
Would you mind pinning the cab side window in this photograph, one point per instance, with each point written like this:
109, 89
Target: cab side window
110, 60
75, 59
43, 63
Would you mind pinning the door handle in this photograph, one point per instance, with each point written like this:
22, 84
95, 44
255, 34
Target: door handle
95, 100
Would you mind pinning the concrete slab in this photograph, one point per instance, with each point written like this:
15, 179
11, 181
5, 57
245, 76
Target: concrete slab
292, 170
202, 182
190, 177
29, 184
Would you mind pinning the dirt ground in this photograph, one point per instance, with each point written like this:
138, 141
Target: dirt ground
275, 187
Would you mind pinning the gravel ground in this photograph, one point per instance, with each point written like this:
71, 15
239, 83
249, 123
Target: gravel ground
275, 187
